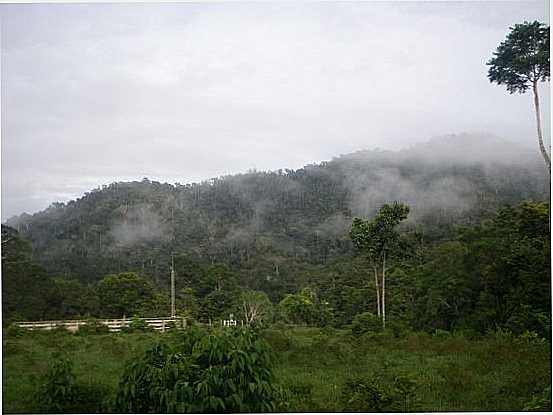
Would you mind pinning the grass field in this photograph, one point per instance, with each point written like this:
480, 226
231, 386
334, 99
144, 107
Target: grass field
448, 373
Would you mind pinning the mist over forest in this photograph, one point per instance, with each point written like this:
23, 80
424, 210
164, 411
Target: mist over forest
251, 207
279, 217
451, 235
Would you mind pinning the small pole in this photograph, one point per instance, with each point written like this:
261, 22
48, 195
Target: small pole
172, 287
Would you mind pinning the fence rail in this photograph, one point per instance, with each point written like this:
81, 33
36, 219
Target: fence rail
114, 325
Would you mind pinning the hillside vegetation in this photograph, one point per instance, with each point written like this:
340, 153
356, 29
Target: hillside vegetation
378, 281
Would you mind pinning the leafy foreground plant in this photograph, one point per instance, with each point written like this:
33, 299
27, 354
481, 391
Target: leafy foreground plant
57, 388
228, 371
58, 392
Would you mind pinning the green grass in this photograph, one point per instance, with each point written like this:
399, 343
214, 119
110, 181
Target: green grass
452, 373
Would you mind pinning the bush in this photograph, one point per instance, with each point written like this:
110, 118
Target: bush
228, 371
366, 323
404, 394
58, 392
365, 395
374, 395
56, 389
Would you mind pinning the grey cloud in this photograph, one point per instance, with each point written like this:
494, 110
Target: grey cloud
184, 92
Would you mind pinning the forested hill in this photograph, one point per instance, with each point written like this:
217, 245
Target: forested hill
272, 225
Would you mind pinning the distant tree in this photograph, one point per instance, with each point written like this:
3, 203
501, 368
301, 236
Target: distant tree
219, 277
71, 298
306, 307
255, 306
159, 304
26, 290
447, 290
187, 303
380, 241
124, 294
520, 62
218, 304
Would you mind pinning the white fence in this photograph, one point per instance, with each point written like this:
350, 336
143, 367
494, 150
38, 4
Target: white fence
160, 323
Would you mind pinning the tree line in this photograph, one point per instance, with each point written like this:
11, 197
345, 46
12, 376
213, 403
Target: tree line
494, 274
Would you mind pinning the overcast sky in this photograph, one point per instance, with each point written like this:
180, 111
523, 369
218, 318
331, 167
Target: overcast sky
98, 93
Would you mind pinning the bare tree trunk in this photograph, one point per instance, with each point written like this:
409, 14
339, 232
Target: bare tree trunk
384, 290
538, 122
377, 286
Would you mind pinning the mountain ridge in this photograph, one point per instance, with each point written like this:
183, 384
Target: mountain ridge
277, 217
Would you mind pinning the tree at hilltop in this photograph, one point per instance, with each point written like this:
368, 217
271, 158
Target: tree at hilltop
520, 62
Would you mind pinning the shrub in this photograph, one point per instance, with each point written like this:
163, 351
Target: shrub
365, 395
57, 388
228, 371
404, 394
398, 327
375, 395
366, 323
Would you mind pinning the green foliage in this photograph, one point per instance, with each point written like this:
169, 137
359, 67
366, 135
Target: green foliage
57, 392
276, 231
20, 270
123, 294
254, 307
229, 371
217, 305
306, 307
499, 372
159, 304
137, 324
523, 58
405, 394
13, 330
496, 274
380, 234
70, 297
365, 395
187, 303
366, 323
540, 402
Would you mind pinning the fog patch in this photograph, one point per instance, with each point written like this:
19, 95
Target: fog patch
334, 227
449, 194
139, 223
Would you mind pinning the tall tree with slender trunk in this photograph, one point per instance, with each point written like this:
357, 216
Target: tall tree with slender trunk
379, 240
520, 63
